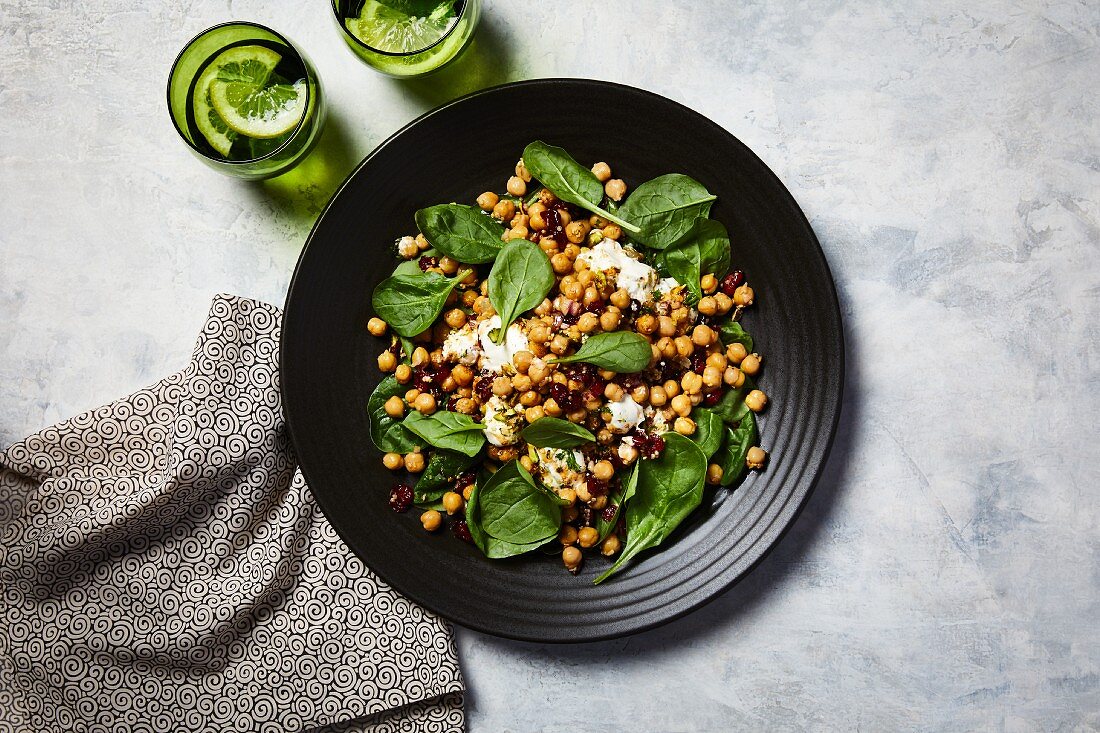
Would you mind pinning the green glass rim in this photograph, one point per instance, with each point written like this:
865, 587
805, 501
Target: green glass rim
297, 128
464, 5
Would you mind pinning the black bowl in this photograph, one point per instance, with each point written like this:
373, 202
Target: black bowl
454, 153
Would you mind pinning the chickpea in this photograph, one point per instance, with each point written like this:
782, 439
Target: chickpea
684, 346
598, 503
406, 248
534, 413
681, 403
502, 386
395, 406
452, 502
714, 474
431, 520
613, 392
462, 375
470, 280
424, 403
743, 295
387, 362
561, 263
577, 416
571, 557
516, 186
672, 388
733, 377
703, 335
376, 326
751, 364
587, 322
521, 383
605, 436
487, 200
466, 405
414, 462
603, 470
422, 242
647, 324
519, 220
411, 395
615, 189
610, 319
588, 536
568, 495
455, 318
591, 295
467, 492
712, 376
585, 276
691, 382
577, 231
517, 232
709, 283
448, 265
582, 493
568, 535
551, 408
559, 344
611, 545
717, 360
393, 461
612, 231
538, 371
539, 333
657, 396
756, 400
666, 326
564, 217
522, 172
620, 298
707, 306
419, 356
602, 171
572, 290
724, 302
529, 398
736, 353
684, 426
666, 346
468, 298
627, 454
640, 394
755, 457
403, 373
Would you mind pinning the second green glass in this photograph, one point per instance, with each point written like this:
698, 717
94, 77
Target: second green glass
407, 37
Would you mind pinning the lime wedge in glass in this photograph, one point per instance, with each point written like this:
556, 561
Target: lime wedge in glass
403, 26
248, 62
259, 111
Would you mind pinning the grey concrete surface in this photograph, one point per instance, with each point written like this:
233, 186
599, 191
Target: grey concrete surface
943, 577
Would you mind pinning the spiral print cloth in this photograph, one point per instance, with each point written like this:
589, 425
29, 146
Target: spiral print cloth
164, 567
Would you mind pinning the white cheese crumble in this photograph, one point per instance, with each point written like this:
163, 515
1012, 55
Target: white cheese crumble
666, 285
494, 357
625, 413
656, 420
560, 469
626, 449
501, 422
462, 345
635, 277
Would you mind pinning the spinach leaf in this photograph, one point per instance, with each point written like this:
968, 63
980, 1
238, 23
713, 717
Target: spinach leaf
731, 407
411, 303
461, 232
515, 510
709, 431
412, 267
730, 332
669, 488
553, 432
569, 180
624, 352
407, 348
439, 475
731, 457
388, 434
665, 209
490, 546
447, 430
521, 277
707, 249
618, 500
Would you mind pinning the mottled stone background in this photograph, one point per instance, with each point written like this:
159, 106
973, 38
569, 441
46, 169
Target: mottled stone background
943, 577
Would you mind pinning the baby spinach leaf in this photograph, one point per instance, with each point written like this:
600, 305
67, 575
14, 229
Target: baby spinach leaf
730, 332
569, 180
707, 249
447, 430
412, 267
618, 500
520, 279
411, 303
709, 431
731, 407
439, 475
463, 233
665, 209
515, 510
490, 546
624, 352
388, 434
669, 488
553, 432
731, 457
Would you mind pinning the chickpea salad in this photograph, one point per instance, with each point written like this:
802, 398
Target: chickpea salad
565, 367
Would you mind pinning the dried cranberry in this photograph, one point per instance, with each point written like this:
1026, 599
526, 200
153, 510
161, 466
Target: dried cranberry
585, 516
427, 262
698, 362
609, 512
401, 498
710, 399
483, 388
596, 487
452, 403
466, 478
596, 306
558, 393
568, 319
461, 530
731, 281
657, 444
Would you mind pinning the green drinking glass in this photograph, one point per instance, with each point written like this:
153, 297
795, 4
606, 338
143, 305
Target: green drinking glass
407, 37
245, 101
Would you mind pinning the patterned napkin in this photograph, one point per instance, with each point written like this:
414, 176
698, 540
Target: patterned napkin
164, 567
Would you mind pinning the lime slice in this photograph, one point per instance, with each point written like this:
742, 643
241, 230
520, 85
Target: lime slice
402, 26
243, 62
259, 112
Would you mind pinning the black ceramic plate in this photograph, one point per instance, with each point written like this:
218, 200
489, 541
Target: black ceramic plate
453, 154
